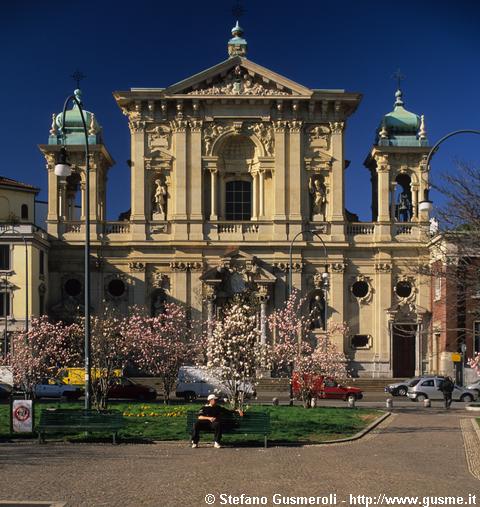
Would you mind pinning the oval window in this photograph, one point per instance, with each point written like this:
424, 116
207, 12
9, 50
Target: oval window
403, 289
116, 287
360, 289
73, 287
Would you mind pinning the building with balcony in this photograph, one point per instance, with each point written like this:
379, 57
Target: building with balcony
227, 167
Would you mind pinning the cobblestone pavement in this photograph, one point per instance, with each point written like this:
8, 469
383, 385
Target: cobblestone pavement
414, 452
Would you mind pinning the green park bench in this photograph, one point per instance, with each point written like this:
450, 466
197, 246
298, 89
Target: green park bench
252, 423
66, 421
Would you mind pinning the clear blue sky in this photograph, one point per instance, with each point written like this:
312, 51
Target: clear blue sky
355, 45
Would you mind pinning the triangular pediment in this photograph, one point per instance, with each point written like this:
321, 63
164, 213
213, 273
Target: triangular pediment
240, 77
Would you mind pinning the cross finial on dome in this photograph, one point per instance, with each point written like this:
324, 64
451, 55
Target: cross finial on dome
399, 77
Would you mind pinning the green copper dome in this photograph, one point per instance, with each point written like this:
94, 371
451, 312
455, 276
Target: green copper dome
73, 132
401, 127
401, 120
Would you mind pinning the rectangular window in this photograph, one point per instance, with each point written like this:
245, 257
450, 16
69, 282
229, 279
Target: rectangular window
42, 262
4, 257
4, 304
476, 336
438, 288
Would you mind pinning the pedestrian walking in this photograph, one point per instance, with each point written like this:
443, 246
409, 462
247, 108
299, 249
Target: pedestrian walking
447, 386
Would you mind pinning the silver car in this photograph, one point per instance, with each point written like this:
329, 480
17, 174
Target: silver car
475, 386
428, 387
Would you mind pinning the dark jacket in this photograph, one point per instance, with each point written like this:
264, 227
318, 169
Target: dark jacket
447, 386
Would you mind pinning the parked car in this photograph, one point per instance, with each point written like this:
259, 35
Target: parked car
194, 382
401, 388
475, 386
428, 387
328, 388
125, 388
5, 391
54, 388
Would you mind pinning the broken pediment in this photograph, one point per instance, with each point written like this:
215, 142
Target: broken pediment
241, 77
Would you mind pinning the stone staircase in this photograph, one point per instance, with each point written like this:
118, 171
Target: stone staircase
268, 388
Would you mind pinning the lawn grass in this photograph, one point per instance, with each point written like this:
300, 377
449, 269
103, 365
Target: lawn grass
156, 421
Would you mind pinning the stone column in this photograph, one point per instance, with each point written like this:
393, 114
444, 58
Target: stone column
263, 298
82, 200
213, 193
337, 204
262, 194
383, 229
62, 201
418, 349
295, 177
195, 193
414, 189
255, 196
52, 214
392, 201
180, 179
138, 181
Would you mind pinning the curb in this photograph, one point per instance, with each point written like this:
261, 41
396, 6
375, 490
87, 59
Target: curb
360, 434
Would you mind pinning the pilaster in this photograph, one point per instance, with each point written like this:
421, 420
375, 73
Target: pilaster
195, 190
295, 176
137, 217
280, 215
180, 179
337, 192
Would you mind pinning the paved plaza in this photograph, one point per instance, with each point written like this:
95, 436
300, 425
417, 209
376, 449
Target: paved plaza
416, 451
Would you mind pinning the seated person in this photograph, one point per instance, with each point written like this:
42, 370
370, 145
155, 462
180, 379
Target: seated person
212, 417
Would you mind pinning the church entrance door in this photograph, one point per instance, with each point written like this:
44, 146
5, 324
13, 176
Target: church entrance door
403, 350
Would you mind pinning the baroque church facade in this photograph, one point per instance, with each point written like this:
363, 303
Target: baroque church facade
228, 167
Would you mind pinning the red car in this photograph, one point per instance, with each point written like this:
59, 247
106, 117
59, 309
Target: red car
125, 388
327, 388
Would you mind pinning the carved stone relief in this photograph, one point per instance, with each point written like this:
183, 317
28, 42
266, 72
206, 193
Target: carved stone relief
239, 82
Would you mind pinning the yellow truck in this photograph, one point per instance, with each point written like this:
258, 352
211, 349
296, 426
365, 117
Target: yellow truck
76, 376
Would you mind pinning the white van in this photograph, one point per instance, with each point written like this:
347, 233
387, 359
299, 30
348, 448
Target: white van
195, 382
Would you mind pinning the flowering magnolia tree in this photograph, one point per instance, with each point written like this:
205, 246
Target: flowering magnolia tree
42, 352
324, 361
288, 325
234, 352
474, 363
111, 350
162, 344
300, 357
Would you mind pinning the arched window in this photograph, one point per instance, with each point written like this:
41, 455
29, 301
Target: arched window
24, 212
238, 200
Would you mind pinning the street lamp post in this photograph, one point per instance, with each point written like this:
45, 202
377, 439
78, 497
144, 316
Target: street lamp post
63, 168
426, 203
324, 274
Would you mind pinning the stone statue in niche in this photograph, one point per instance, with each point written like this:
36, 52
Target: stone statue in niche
319, 198
317, 312
160, 200
404, 207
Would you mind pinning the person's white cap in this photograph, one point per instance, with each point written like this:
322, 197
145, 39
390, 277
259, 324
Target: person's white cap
211, 397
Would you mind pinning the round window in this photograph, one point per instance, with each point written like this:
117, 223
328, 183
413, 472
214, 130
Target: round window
360, 289
73, 287
116, 287
403, 289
